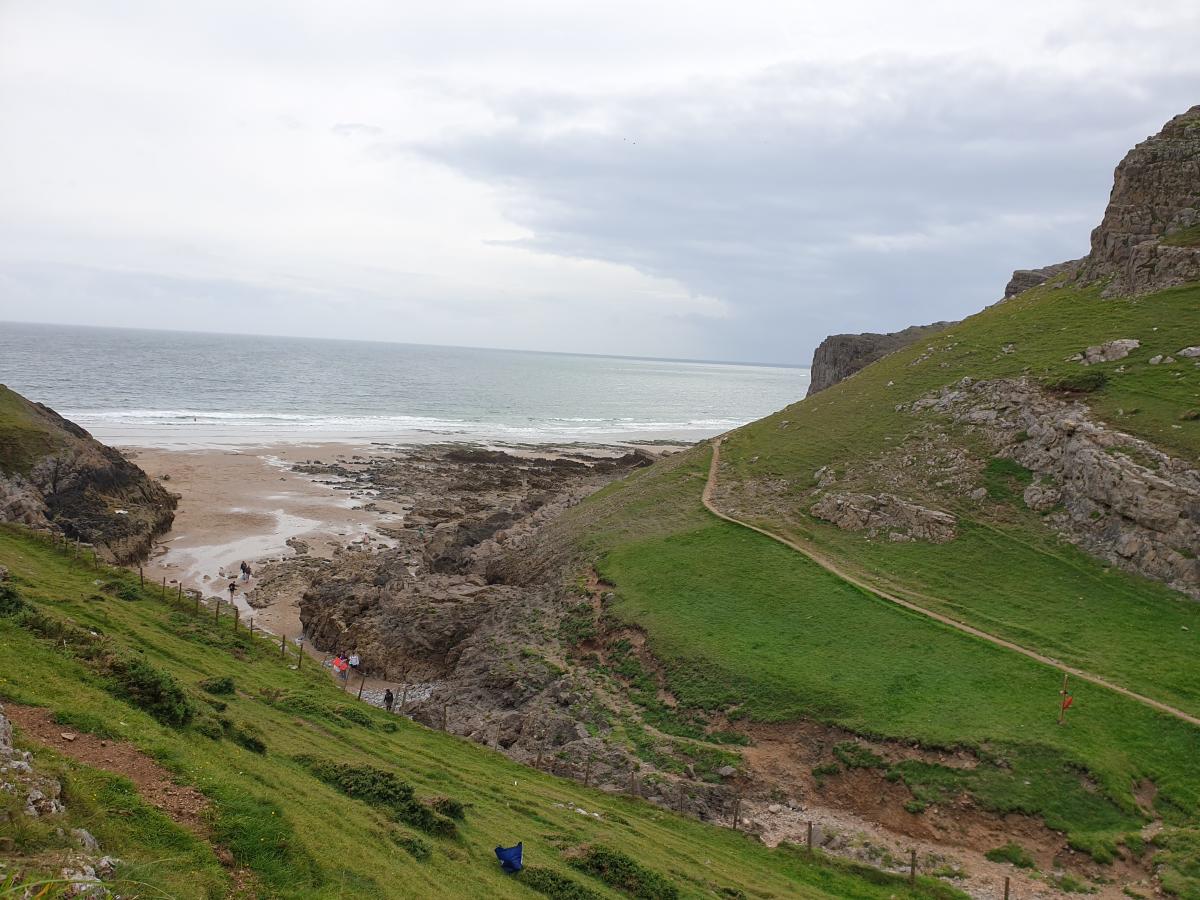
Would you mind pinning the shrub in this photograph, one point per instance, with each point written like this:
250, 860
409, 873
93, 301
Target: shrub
555, 885
856, 756
10, 601
448, 807
1072, 885
381, 788
823, 771
155, 691
209, 727
223, 686
412, 845
1079, 383
128, 592
355, 715
1011, 853
624, 873
578, 625
248, 736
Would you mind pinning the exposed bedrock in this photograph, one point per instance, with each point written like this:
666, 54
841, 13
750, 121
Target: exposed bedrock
1117, 496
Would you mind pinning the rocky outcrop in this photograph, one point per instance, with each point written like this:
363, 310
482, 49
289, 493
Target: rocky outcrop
893, 516
55, 474
1024, 279
1148, 238
841, 355
40, 796
1115, 495
1109, 351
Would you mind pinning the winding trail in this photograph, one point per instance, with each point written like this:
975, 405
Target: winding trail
829, 566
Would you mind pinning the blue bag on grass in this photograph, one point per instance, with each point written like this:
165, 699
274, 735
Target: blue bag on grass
510, 858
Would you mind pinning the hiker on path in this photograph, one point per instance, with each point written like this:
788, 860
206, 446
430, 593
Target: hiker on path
389, 699
245, 571
232, 590
354, 661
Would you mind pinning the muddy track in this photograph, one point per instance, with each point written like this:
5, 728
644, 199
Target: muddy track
825, 563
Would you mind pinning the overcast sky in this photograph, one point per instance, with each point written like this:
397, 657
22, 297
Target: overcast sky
704, 180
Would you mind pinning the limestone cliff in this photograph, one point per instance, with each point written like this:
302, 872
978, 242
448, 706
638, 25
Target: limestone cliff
1149, 238
841, 355
1024, 279
55, 474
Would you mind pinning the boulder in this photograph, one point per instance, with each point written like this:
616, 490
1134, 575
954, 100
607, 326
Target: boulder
1109, 351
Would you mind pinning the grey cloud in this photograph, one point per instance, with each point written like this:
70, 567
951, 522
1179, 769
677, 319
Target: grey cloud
817, 199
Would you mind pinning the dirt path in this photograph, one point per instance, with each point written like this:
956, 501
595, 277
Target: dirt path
829, 566
157, 786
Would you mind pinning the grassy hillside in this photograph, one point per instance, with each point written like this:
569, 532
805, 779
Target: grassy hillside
24, 438
270, 754
746, 626
1006, 572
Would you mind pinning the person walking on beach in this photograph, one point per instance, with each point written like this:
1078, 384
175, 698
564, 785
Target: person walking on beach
245, 571
232, 590
389, 699
354, 661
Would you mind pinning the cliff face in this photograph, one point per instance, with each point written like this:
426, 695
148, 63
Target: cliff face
1024, 279
53, 473
1149, 238
841, 355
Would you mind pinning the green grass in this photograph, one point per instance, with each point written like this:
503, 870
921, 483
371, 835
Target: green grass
747, 626
1006, 572
1184, 237
1011, 853
23, 439
302, 837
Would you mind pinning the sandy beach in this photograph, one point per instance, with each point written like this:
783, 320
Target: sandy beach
262, 505
245, 505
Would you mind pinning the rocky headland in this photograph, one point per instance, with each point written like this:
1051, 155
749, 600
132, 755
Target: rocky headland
53, 474
841, 355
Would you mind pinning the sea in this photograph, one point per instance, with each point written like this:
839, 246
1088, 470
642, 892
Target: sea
182, 390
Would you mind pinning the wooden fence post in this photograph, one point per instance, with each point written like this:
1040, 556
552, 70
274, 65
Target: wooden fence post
300, 657
810, 838
362, 681
282, 645
217, 611
237, 615
737, 811
141, 577
912, 867
587, 771
164, 588
252, 626
179, 591
1005, 887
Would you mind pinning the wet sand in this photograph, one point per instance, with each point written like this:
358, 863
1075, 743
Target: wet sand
246, 505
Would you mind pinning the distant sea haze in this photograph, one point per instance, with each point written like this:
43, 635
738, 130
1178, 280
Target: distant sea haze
178, 389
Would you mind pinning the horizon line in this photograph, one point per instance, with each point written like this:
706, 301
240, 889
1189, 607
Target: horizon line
243, 334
